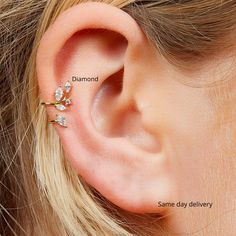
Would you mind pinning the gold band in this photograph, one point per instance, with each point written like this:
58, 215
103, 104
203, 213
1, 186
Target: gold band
50, 103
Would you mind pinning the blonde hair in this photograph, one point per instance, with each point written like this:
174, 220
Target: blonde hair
40, 194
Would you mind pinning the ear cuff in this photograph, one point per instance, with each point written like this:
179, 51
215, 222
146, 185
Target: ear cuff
62, 102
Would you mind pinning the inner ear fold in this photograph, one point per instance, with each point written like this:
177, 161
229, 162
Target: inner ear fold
104, 102
98, 46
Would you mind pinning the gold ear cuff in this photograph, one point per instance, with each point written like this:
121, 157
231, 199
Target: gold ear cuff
61, 103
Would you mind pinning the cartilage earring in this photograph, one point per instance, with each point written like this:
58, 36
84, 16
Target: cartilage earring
61, 96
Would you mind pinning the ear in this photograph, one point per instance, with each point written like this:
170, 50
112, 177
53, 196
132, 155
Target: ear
109, 139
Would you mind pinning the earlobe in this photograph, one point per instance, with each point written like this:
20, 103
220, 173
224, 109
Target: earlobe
106, 140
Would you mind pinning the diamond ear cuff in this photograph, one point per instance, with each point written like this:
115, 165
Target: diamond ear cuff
62, 102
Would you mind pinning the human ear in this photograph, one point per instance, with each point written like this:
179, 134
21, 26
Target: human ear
109, 139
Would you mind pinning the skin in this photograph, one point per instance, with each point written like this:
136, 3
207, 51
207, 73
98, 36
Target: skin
142, 134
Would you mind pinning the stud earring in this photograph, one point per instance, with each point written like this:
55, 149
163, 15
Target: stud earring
61, 103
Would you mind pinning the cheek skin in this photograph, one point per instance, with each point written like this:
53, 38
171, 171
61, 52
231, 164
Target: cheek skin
182, 116
184, 120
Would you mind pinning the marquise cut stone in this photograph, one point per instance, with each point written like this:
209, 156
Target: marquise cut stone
60, 107
67, 86
61, 120
59, 93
